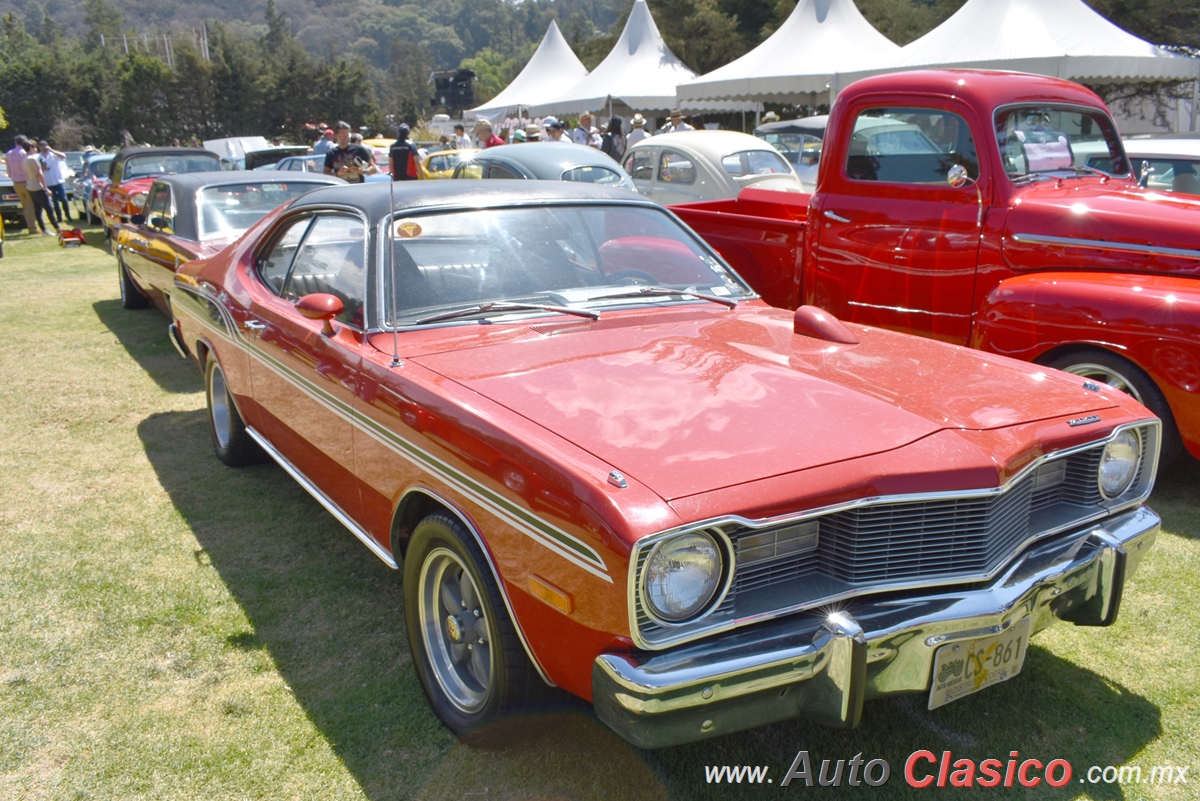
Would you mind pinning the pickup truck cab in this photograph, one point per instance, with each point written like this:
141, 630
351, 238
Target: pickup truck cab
999, 236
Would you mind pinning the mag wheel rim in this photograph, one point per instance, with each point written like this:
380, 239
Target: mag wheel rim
218, 400
1106, 375
454, 628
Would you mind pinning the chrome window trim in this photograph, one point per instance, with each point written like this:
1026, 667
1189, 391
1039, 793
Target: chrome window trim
1096, 244
1141, 489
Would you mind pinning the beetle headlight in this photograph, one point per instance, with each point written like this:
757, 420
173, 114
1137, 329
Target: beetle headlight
137, 200
682, 576
1119, 463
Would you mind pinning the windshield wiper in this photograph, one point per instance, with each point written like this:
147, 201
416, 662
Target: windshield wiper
505, 306
662, 291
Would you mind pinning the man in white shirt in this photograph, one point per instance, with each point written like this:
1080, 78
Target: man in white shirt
638, 133
53, 163
581, 134
461, 140
678, 123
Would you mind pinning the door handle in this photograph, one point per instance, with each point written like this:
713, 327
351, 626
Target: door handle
830, 215
254, 325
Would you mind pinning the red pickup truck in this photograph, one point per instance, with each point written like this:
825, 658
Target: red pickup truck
956, 204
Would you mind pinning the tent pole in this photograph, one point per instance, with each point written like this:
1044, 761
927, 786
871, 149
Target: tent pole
1195, 99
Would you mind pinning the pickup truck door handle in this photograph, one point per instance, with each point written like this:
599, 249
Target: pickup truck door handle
831, 215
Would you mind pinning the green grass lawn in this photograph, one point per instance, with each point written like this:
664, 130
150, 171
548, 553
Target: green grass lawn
174, 629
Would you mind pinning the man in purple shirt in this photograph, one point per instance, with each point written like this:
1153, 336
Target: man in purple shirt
15, 160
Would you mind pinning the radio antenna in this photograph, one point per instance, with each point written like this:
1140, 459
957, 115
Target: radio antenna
391, 262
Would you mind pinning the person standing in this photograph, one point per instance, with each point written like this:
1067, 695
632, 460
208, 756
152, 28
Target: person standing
486, 136
403, 156
15, 160
613, 145
678, 123
581, 134
351, 162
35, 185
53, 163
639, 131
555, 130
461, 140
326, 143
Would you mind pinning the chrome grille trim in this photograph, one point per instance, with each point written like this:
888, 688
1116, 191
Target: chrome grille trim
1046, 510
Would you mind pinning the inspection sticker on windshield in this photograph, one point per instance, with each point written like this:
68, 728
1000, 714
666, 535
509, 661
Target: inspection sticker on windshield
962, 668
407, 229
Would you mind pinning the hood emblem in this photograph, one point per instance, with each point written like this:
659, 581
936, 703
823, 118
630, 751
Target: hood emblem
1083, 421
617, 480
1091, 385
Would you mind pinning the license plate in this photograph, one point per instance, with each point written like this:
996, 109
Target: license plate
962, 668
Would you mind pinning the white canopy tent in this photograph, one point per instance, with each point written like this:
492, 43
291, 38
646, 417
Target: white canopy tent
553, 69
640, 73
1060, 38
820, 39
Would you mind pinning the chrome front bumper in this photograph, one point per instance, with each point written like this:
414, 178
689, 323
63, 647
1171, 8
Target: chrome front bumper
823, 666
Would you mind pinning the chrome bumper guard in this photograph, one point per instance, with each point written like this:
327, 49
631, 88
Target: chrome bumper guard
823, 666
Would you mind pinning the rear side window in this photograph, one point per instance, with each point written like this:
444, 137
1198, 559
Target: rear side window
909, 146
676, 168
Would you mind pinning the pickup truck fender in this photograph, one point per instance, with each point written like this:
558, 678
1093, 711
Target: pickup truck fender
1152, 321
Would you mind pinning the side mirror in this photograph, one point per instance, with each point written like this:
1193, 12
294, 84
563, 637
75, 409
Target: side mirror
958, 176
137, 219
160, 222
321, 306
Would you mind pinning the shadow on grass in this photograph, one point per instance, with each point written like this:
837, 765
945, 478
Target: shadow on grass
1174, 497
143, 334
330, 615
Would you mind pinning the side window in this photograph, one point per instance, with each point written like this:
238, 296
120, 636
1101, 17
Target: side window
676, 168
273, 268
114, 172
909, 146
332, 259
500, 171
158, 208
469, 170
640, 165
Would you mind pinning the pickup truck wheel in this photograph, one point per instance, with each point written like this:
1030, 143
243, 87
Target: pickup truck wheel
1120, 373
131, 296
467, 653
231, 443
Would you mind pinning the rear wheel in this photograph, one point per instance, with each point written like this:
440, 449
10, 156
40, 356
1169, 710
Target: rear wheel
231, 443
467, 653
131, 296
1120, 373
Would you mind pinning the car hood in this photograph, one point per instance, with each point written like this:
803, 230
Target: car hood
1096, 225
689, 402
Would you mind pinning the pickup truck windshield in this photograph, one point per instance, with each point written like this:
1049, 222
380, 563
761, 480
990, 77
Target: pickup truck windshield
1045, 139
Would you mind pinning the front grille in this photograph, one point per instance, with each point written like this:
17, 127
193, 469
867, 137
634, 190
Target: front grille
902, 542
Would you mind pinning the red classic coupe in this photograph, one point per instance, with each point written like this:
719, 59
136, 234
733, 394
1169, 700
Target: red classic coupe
134, 169
601, 462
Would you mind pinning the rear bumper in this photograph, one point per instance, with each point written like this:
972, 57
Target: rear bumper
823, 666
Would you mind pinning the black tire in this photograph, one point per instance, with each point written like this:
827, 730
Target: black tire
131, 296
231, 443
1116, 371
443, 568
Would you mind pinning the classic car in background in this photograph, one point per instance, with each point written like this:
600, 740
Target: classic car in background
547, 161
1166, 163
311, 163
10, 203
132, 171
442, 163
798, 141
706, 165
193, 216
88, 186
603, 463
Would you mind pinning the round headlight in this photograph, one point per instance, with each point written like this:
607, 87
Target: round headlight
682, 575
137, 200
1119, 464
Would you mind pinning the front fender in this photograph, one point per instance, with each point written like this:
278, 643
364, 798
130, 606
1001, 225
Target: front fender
1153, 321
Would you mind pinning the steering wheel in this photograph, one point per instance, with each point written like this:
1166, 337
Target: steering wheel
638, 276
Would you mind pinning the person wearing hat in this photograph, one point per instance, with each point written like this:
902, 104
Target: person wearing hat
581, 134
533, 133
461, 140
403, 156
678, 123
518, 135
326, 143
554, 130
639, 131
770, 116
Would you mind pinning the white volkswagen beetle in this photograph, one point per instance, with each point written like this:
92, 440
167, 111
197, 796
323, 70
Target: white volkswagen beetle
707, 165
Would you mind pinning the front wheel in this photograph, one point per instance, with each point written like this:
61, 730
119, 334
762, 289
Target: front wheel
1120, 373
231, 443
467, 653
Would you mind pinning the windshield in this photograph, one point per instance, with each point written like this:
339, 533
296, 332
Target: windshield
143, 166
584, 257
1044, 139
755, 162
98, 168
232, 208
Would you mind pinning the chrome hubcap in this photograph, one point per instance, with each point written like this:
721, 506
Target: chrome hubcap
1105, 375
219, 403
455, 631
